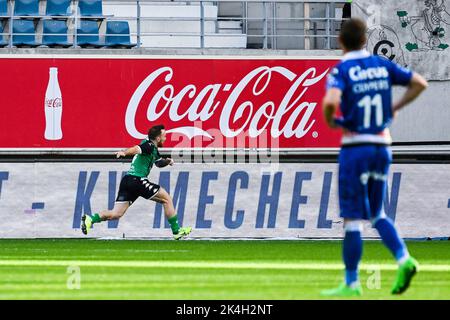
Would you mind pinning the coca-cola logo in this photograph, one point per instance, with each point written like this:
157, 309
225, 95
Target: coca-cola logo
53, 103
289, 117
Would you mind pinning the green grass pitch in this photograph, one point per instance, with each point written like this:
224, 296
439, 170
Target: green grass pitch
200, 269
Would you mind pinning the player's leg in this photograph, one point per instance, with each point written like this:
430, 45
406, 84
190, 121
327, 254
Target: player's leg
116, 213
353, 203
352, 251
351, 254
157, 193
384, 225
407, 265
126, 196
164, 198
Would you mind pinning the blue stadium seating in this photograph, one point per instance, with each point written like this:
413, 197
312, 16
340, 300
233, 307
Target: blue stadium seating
3, 8
3, 42
58, 8
50, 29
87, 34
26, 7
55, 30
90, 7
24, 33
118, 34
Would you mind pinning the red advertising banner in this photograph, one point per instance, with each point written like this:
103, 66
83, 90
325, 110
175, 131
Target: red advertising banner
85, 102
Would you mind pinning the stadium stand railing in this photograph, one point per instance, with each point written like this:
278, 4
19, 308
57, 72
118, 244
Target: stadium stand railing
253, 24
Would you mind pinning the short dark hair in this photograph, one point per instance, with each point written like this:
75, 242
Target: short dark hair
155, 131
353, 34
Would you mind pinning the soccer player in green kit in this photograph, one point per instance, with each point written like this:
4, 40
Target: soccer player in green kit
135, 184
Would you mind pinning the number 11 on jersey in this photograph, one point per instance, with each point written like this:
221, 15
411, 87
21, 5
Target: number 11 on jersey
367, 102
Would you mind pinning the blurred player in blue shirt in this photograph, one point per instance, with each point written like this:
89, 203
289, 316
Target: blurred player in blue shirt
361, 86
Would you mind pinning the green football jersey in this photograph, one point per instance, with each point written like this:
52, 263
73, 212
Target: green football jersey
143, 162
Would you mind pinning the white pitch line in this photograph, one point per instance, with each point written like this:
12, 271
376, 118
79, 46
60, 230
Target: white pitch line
212, 264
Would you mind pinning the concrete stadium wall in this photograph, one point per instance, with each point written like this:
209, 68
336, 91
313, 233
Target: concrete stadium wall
427, 118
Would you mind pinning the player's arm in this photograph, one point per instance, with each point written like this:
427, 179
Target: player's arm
128, 152
163, 162
335, 85
330, 104
415, 87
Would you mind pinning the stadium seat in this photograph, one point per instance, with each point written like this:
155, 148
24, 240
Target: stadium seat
3, 8
87, 34
26, 7
90, 7
24, 33
3, 42
118, 34
58, 8
55, 33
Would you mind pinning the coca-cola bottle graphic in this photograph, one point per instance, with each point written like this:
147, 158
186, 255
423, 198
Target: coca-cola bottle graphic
53, 107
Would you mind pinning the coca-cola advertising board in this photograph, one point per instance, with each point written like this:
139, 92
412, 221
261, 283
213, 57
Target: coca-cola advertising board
207, 102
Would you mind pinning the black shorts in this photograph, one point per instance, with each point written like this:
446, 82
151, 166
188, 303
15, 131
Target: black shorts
132, 187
